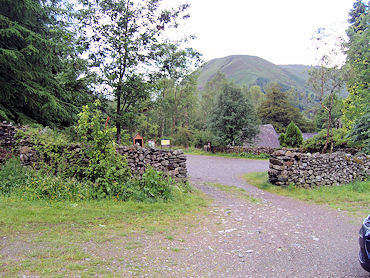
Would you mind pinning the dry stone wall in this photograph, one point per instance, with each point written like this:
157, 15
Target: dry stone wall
7, 135
240, 149
311, 170
171, 162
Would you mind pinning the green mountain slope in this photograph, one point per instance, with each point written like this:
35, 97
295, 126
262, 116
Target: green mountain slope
252, 70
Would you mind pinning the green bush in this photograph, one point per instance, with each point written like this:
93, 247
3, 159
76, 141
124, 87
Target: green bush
360, 133
282, 139
13, 176
29, 184
90, 170
183, 137
254, 156
292, 137
201, 138
316, 143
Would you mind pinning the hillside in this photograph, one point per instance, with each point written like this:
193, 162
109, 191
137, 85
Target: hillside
252, 70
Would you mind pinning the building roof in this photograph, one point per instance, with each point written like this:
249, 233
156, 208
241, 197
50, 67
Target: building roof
267, 137
308, 135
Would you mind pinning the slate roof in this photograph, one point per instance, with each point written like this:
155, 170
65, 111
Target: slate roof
308, 135
267, 137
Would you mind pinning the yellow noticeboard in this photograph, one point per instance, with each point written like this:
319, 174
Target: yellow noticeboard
165, 142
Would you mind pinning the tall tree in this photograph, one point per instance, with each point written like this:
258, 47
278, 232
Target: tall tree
175, 97
321, 117
208, 98
326, 80
278, 111
233, 120
33, 45
125, 39
358, 58
256, 95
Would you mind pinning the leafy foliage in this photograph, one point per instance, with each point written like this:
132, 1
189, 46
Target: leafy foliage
278, 111
92, 169
183, 137
153, 186
321, 118
360, 133
5, 154
327, 80
126, 36
107, 169
175, 105
358, 57
233, 120
29, 184
32, 62
317, 142
292, 137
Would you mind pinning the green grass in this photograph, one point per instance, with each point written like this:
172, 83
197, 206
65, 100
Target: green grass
52, 235
353, 197
235, 191
242, 155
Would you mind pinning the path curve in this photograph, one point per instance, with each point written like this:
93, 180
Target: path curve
284, 237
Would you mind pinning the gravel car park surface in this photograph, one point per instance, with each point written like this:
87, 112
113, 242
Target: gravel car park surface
235, 236
276, 237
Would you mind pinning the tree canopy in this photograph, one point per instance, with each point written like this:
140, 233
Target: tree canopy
33, 51
233, 120
358, 58
278, 111
125, 39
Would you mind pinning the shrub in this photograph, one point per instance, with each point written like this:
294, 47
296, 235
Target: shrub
93, 169
202, 137
254, 156
292, 137
29, 184
183, 137
282, 139
4, 155
152, 186
12, 176
316, 143
360, 133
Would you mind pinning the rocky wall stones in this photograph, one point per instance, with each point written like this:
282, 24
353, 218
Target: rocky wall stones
240, 149
171, 162
311, 170
7, 135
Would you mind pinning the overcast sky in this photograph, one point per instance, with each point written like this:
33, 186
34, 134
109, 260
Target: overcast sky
278, 31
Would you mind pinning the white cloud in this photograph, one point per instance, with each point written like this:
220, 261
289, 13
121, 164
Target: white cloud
278, 31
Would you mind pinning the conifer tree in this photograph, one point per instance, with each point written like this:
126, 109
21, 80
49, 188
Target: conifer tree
278, 111
292, 137
32, 49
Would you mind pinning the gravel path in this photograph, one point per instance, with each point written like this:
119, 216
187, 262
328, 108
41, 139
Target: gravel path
234, 237
277, 237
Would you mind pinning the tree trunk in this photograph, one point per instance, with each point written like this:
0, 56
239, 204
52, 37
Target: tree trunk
118, 111
329, 131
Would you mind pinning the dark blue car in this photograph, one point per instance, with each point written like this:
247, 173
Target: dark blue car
364, 241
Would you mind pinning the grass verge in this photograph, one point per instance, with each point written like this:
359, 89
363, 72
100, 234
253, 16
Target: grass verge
49, 238
242, 155
353, 197
235, 191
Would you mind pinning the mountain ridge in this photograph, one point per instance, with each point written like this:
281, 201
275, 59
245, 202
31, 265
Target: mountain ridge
252, 70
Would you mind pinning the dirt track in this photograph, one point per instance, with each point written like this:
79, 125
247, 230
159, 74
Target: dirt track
278, 237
